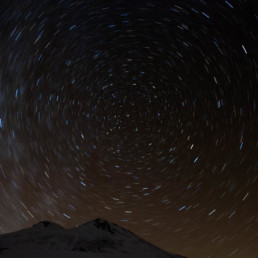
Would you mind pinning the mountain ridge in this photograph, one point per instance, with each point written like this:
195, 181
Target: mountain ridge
96, 238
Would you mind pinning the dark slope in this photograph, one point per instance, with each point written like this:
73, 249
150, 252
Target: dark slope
97, 238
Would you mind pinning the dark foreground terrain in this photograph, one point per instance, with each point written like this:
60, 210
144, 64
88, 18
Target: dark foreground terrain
97, 238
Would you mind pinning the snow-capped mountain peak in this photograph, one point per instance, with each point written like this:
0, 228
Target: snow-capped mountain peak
97, 238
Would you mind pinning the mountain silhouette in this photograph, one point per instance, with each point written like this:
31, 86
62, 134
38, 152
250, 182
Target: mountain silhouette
98, 238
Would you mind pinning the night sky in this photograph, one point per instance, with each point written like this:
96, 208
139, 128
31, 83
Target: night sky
143, 113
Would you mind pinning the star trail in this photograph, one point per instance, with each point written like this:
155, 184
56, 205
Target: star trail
143, 113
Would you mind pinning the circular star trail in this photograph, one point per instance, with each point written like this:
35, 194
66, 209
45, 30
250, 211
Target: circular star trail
141, 113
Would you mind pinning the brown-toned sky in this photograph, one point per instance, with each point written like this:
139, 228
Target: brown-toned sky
144, 114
